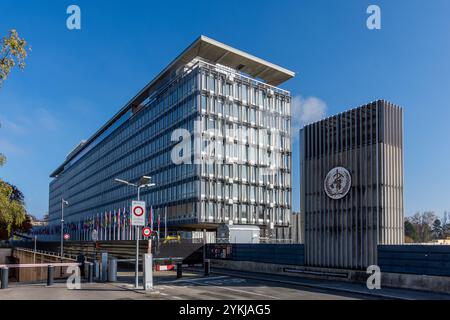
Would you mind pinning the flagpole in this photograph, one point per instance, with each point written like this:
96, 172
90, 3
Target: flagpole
108, 226
118, 225
130, 229
114, 225
165, 222
158, 223
102, 233
104, 225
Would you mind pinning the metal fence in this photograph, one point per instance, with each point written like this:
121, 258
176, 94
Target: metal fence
415, 259
289, 254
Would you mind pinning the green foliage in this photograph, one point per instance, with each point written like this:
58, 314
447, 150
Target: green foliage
12, 210
2, 158
410, 231
13, 51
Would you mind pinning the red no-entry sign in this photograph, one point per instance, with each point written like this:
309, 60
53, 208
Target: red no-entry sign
146, 232
138, 213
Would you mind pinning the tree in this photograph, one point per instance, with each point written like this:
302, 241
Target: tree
12, 210
422, 223
445, 226
13, 52
410, 232
437, 229
24, 227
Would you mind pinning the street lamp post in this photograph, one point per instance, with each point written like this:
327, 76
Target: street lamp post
143, 182
63, 202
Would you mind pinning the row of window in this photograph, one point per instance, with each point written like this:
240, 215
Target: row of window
245, 134
247, 174
241, 153
243, 213
244, 92
244, 193
244, 114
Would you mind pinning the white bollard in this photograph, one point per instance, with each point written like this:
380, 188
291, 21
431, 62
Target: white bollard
148, 271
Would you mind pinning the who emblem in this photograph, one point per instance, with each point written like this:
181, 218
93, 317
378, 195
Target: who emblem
337, 183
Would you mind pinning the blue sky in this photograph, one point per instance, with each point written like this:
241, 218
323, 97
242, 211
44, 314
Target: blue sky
76, 80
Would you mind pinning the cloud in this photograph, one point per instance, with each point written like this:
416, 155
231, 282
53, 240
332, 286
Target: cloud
46, 120
17, 132
11, 126
35, 121
9, 149
305, 111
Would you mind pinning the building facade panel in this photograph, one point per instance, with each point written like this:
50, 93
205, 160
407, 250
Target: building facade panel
365, 141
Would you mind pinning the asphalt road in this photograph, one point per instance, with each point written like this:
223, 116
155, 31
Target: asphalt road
220, 285
191, 287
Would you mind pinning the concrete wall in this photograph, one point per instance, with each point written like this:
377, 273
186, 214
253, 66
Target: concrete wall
289, 254
190, 252
5, 255
392, 280
22, 256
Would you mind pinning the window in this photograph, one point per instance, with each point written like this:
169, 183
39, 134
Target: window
204, 103
245, 93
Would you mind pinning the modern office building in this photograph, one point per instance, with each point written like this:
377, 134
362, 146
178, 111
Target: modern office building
215, 108
352, 185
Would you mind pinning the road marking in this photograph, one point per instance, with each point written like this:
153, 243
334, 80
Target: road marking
162, 283
241, 291
178, 298
163, 294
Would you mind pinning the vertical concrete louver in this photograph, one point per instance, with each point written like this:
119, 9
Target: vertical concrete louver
368, 142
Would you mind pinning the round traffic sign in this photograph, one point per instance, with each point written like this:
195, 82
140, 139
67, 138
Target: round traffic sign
138, 211
146, 232
66, 236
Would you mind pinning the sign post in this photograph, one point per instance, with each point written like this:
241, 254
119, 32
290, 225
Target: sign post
94, 237
137, 220
148, 261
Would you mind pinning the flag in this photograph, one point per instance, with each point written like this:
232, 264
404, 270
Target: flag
150, 217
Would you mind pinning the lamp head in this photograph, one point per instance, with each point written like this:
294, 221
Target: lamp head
144, 180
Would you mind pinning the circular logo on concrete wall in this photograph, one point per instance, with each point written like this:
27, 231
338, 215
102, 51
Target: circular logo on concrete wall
337, 183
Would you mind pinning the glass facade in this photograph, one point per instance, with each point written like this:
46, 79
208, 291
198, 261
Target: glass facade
240, 163
245, 173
